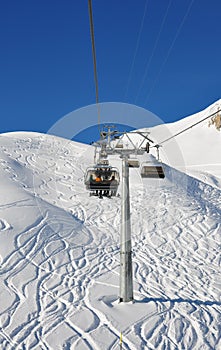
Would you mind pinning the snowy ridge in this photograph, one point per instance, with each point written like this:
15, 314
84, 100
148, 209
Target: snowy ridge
59, 254
196, 151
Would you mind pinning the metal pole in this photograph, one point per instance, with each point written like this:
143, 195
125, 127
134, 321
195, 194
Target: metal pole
126, 281
158, 152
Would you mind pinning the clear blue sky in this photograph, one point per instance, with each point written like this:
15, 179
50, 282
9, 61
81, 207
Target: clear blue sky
162, 55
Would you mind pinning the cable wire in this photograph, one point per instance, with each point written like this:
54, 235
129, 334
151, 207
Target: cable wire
136, 49
153, 51
189, 127
169, 51
94, 58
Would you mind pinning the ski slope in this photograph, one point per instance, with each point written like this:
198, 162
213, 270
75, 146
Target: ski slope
59, 254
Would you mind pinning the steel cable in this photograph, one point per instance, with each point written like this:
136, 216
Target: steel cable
94, 58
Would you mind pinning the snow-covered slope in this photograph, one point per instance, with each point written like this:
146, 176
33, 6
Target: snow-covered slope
59, 255
197, 150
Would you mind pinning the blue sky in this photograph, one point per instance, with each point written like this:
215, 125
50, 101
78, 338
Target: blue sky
161, 55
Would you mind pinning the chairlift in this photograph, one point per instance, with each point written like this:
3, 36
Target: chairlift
102, 179
152, 168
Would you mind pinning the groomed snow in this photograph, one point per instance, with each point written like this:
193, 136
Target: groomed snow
59, 254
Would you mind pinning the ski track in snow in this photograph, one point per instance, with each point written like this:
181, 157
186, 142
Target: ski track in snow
46, 278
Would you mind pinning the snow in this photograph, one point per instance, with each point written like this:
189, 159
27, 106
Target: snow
59, 248
196, 151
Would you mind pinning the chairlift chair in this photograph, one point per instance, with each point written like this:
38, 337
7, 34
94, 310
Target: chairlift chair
152, 169
109, 180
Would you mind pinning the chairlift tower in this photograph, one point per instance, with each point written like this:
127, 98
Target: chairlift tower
126, 278
126, 275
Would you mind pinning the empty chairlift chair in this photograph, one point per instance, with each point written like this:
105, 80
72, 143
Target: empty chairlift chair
152, 169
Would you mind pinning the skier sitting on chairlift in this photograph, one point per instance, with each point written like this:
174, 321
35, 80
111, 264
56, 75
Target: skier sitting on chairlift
98, 179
